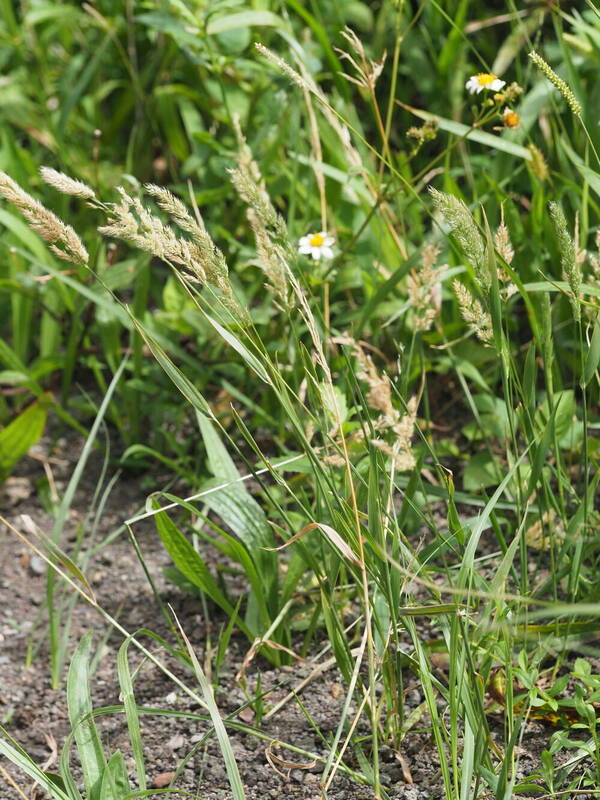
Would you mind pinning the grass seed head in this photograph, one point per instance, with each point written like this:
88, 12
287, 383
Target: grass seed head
538, 163
425, 289
63, 240
465, 231
562, 87
473, 313
571, 264
66, 185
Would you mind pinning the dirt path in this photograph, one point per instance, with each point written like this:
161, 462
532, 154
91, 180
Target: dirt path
36, 715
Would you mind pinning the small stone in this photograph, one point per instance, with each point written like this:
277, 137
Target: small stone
246, 715
175, 742
171, 698
37, 565
162, 779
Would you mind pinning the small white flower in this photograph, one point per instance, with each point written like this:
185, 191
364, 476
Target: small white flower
316, 245
484, 80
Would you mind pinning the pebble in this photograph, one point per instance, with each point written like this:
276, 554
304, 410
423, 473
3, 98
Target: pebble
37, 565
176, 742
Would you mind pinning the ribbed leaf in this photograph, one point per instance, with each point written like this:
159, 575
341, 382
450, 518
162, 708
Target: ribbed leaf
188, 561
79, 704
115, 781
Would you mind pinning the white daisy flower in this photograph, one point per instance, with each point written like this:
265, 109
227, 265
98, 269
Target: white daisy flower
484, 80
316, 245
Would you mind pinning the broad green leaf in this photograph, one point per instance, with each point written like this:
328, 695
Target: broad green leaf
21, 434
243, 19
481, 472
593, 355
234, 504
115, 781
188, 561
220, 462
240, 512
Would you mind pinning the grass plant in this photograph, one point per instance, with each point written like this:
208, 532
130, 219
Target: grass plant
395, 446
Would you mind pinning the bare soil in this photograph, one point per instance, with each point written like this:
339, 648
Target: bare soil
36, 715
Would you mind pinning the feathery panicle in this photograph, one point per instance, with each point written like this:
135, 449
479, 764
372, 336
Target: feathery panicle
505, 249
273, 258
173, 206
66, 185
63, 240
571, 265
503, 244
425, 289
557, 82
400, 451
269, 228
465, 231
390, 421
367, 71
198, 255
294, 76
473, 314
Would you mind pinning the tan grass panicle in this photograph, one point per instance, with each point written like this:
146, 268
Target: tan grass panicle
63, 240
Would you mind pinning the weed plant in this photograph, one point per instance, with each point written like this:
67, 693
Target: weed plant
378, 305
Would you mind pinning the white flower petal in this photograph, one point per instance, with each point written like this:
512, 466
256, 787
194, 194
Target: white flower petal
497, 85
304, 240
305, 249
327, 252
316, 253
329, 240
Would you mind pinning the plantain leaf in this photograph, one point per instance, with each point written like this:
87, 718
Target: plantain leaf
21, 434
115, 781
79, 704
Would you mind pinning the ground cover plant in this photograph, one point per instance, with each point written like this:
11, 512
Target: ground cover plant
336, 268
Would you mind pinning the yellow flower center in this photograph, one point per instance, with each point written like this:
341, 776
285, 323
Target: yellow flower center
485, 79
316, 240
511, 119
